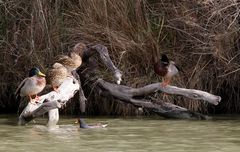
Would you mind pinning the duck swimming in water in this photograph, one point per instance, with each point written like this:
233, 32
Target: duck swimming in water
32, 85
166, 69
82, 124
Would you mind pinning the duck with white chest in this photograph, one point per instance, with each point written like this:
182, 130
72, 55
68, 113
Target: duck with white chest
32, 85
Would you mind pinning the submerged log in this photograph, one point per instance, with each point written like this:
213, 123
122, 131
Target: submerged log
52, 101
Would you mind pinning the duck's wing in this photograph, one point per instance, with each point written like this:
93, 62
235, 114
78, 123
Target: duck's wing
178, 68
50, 75
56, 75
20, 86
66, 61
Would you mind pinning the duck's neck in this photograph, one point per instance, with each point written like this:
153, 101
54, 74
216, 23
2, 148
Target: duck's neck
74, 56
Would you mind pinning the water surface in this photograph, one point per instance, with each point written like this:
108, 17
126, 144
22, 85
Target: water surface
122, 135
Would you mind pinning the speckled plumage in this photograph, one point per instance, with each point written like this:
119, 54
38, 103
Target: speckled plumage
74, 60
56, 75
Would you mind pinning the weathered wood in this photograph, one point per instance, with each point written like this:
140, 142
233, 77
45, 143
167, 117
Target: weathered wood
124, 92
82, 98
35, 110
53, 117
131, 95
104, 56
168, 110
50, 102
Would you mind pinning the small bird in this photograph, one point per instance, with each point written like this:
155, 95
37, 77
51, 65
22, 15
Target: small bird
56, 75
73, 60
166, 69
32, 85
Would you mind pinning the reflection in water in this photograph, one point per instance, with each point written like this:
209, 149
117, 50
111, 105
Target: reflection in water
131, 135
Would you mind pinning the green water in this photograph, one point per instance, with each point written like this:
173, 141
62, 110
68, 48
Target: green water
122, 135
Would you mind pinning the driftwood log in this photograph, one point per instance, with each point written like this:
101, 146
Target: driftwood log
52, 101
165, 109
136, 96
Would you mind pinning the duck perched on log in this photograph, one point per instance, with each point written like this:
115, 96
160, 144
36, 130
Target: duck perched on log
166, 69
56, 75
32, 85
73, 60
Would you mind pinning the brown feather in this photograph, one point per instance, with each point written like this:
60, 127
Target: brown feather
72, 62
79, 48
56, 75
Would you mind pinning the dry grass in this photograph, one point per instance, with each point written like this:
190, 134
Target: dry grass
201, 36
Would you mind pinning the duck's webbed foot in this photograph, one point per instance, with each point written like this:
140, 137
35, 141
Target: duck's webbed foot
165, 82
56, 89
34, 101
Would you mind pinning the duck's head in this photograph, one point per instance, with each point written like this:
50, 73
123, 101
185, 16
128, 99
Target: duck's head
35, 71
81, 122
79, 48
164, 59
77, 121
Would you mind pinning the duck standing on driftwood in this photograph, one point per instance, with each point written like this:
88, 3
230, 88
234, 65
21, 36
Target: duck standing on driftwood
56, 75
73, 60
166, 69
64, 66
32, 85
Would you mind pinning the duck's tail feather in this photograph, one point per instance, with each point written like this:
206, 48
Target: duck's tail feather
18, 97
178, 68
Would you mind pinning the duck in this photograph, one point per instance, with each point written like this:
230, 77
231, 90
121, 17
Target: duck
80, 48
166, 69
56, 75
32, 85
73, 60
84, 125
